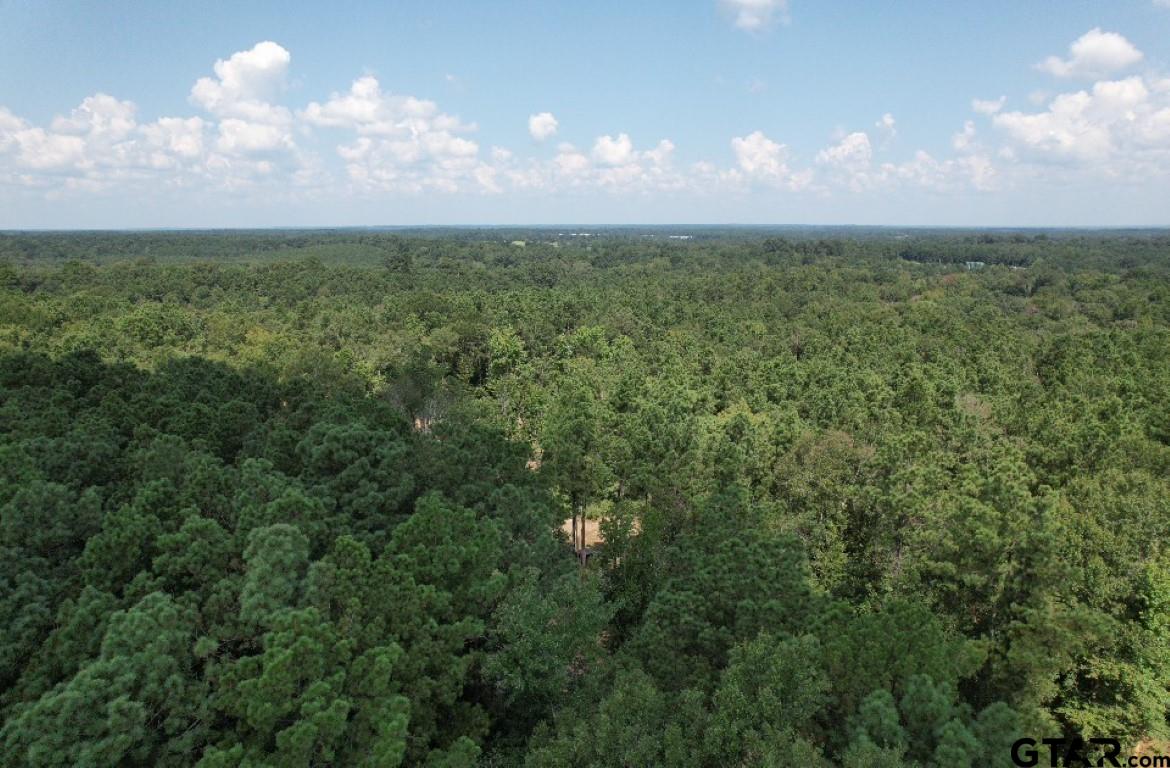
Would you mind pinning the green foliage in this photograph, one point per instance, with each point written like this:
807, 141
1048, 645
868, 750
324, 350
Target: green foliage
545, 637
275, 561
725, 583
137, 703
769, 691
292, 499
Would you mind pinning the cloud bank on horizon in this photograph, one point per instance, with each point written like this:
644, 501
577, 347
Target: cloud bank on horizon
1106, 121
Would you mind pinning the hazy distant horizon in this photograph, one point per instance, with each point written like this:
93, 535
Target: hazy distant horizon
603, 227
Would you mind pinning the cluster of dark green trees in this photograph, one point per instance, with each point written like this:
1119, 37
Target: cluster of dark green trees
861, 506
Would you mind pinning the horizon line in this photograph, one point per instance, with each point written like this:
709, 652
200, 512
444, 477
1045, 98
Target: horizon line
583, 226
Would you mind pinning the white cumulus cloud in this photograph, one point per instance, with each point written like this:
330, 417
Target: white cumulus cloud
754, 15
542, 126
1094, 55
760, 159
404, 144
614, 163
848, 161
570, 162
973, 171
852, 153
243, 137
610, 151
174, 138
964, 140
245, 83
371, 142
242, 95
1116, 121
99, 143
369, 110
99, 115
988, 106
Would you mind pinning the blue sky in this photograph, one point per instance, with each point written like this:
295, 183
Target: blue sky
154, 114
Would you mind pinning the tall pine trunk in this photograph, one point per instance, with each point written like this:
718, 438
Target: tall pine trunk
581, 551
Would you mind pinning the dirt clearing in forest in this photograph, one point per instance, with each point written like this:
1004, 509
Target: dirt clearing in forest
593, 535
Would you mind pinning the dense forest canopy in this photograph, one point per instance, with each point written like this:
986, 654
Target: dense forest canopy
866, 497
